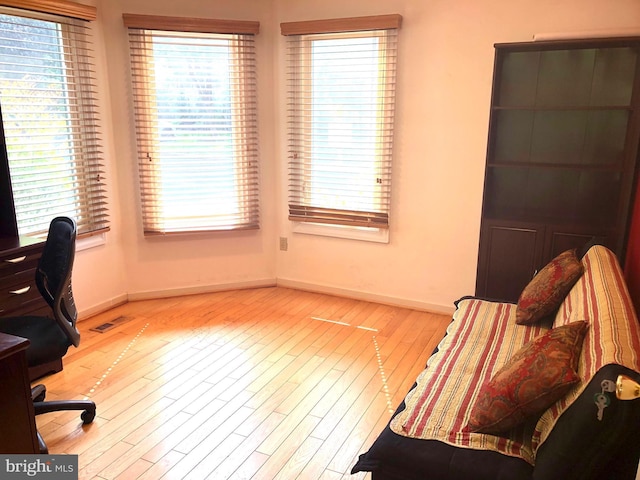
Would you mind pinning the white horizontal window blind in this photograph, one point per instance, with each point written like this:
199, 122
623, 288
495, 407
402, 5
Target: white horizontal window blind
196, 123
341, 103
50, 118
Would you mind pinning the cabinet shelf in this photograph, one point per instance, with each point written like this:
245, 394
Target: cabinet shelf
578, 137
557, 166
566, 77
552, 108
567, 223
574, 221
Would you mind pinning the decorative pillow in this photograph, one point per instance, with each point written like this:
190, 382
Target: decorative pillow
546, 291
537, 375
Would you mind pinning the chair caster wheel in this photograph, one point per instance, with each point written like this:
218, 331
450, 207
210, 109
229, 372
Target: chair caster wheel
38, 393
87, 416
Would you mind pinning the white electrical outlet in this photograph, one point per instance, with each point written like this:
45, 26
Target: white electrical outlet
284, 244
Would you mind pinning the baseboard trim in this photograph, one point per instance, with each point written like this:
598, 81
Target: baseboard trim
367, 296
263, 283
102, 307
178, 292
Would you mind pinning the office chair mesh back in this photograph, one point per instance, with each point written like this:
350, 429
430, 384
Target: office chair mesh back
51, 337
53, 277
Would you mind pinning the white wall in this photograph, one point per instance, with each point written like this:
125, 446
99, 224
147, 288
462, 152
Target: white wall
155, 266
99, 278
444, 83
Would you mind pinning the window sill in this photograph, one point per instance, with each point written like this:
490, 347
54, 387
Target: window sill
90, 242
377, 235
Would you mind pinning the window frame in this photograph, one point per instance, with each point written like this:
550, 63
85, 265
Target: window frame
88, 163
243, 121
375, 227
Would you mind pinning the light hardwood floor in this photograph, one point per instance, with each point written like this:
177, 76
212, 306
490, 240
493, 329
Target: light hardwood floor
264, 384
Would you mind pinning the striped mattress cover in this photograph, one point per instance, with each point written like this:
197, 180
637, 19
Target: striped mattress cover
483, 335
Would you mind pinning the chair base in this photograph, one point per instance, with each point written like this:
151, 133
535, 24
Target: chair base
88, 406
41, 445
38, 394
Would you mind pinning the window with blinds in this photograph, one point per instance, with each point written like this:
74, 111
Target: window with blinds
194, 92
341, 89
50, 119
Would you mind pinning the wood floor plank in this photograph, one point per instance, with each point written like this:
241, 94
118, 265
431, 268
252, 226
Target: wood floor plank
279, 456
216, 457
360, 371
108, 433
161, 449
136, 470
249, 384
299, 459
341, 462
265, 409
161, 466
108, 456
135, 451
204, 457
248, 469
329, 475
247, 448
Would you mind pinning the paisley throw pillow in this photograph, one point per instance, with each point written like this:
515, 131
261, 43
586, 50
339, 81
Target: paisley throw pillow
537, 375
546, 291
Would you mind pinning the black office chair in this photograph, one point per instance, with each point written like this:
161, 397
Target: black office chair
50, 338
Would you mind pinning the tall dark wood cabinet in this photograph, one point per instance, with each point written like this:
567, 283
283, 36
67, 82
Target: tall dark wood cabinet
561, 157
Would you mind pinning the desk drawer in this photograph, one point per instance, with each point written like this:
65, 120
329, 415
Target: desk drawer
12, 264
18, 292
12, 298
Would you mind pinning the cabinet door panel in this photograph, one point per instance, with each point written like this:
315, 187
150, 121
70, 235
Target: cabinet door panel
560, 240
509, 257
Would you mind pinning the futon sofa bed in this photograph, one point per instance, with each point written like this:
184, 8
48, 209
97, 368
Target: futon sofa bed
525, 390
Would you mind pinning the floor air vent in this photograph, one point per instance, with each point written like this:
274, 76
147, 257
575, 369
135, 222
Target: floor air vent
109, 325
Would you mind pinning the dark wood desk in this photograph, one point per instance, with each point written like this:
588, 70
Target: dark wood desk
19, 294
17, 419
